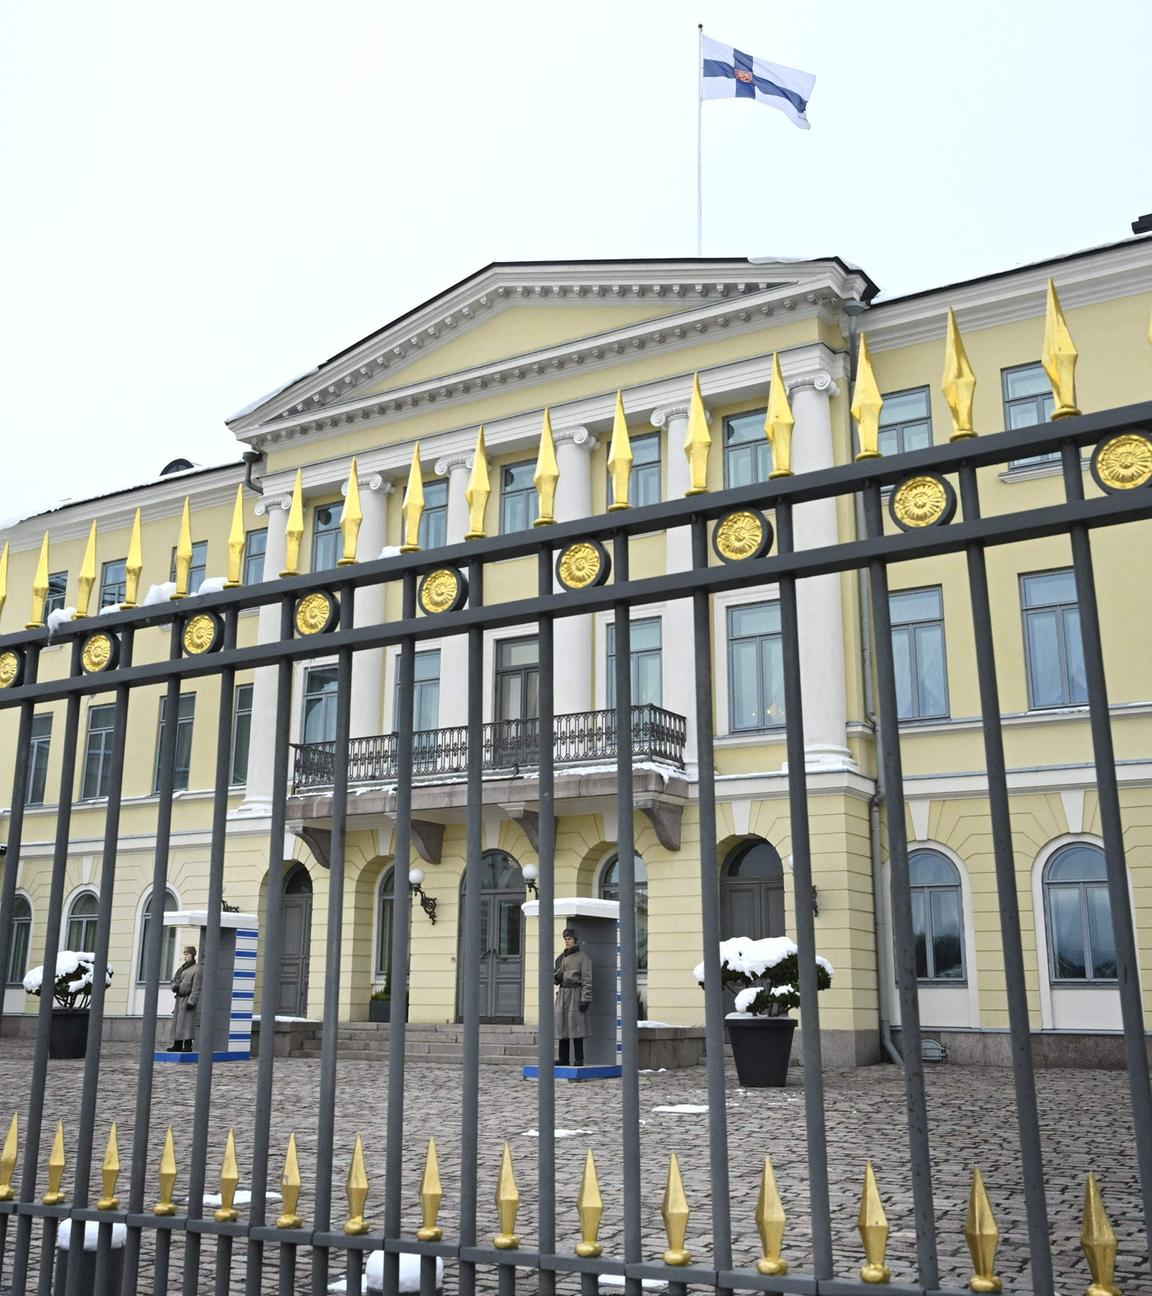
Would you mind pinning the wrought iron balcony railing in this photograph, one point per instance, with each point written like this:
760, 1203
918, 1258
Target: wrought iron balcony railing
510, 747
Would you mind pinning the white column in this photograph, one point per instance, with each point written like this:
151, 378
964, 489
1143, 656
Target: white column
819, 604
454, 649
258, 793
368, 666
574, 649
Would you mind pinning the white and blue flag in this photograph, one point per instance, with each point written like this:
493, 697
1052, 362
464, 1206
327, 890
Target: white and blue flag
729, 73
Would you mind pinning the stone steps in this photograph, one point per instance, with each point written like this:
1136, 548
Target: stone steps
441, 1043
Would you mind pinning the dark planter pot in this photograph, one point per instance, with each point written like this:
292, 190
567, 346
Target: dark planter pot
68, 1037
761, 1047
380, 1010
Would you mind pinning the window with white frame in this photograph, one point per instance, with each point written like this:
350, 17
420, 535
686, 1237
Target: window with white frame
241, 734
425, 693
98, 753
319, 705
255, 547
644, 479
199, 568
20, 939
519, 503
433, 532
385, 904
937, 916
82, 923
114, 582
1053, 648
1028, 402
327, 538
918, 653
906, 422
755, 668
167, 946
747, 450
38, 747
182, 759
1078, 913
647, 689
57, 592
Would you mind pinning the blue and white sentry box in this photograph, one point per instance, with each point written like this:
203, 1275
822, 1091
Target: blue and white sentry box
232, 983
597, 923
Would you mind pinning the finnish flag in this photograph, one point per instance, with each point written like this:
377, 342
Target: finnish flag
729, 73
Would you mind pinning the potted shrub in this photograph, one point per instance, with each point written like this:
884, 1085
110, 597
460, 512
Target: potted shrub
380, 1005
766, 977
71, 994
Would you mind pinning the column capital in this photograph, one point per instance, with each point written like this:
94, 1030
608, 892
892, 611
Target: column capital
269, 503
663, 414
461, 459
821, 381
373, 482
577, 436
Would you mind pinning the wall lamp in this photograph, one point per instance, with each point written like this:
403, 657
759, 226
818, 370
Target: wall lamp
427, 902
531, 873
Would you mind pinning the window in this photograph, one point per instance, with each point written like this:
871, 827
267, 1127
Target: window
183, 759
21, 936
57, 592
1027, 402
906, 422
320, 704
519, 503
426, 696
167, 944
82, 923
747, 450
433, 531
327, 540
384, 926
98, 753
937, 916
644, 480
918, 653
255, 547
199, 568
1052, 645
38, 758
610, 890
114, 582
646, 686
241, 735
517, 679
755, 667
1081, 945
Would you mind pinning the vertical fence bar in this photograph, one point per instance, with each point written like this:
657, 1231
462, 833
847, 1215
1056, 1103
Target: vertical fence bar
546, 852
902, 929
823, 1259
16, 822
163, 1256
270, 971
401, 944
1015, 983
710, 911
1112, 831
39, 1070
326, 1107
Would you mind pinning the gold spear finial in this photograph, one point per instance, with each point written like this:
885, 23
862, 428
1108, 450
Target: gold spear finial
547, 474
983, 1237
184, 551
867, 404
39, 587
167, 1176
133, 564
351, 517
697, 441
620, 460
236, 541
357, 1190
8, 1159
54, 1197
431, 1195
229, 1182
109, 1173
590, 1206
294, 532
290, 1185
478, 490
770, 1221
1059, 357
675, 1211
413, 504
778, 423
873, 1227
507, 1205
1098, 1240
86, 578
4, 574
959, 381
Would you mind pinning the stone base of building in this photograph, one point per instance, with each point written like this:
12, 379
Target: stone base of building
1081, 1050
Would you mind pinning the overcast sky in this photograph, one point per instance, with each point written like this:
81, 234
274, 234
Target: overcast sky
203, 200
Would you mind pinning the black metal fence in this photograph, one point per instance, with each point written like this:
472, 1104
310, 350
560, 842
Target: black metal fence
267, 1250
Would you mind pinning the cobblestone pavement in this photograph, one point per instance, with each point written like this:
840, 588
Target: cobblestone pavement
1085, 1119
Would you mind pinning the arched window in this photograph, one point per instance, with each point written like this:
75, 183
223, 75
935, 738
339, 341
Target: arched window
752, 891
937, 916
1081, 946
82, 923
384, 909
21, 934
610, 890
168, 945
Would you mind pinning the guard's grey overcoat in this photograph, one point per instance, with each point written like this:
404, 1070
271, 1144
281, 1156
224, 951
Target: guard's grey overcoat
186, 988
574, 968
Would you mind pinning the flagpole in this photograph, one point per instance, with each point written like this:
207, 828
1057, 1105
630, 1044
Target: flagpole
700, 140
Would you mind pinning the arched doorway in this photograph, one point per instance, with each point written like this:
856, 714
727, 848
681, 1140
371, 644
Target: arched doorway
752, 891
292, 998
501, 968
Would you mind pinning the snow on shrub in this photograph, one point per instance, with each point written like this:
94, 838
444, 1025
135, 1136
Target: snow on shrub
74, 978
765, 974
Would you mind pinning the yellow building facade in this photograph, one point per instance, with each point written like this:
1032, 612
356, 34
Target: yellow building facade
495, 351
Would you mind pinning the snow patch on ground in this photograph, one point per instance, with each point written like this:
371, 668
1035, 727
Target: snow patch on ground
374, 1274
617, 1280
655, 1025
682, 1109
560, 1133
242, 1198
91, 1236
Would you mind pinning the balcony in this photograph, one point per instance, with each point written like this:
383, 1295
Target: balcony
511, 747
